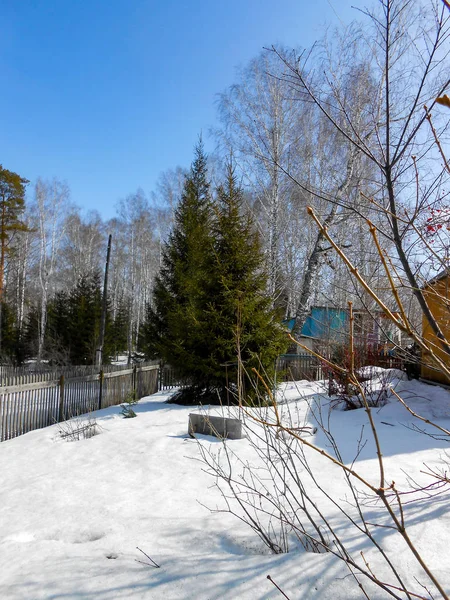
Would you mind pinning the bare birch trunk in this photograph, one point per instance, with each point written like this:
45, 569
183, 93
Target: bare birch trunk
315, 258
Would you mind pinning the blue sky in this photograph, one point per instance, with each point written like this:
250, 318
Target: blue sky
106, 94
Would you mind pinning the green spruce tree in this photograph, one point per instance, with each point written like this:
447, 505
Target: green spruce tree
74, 324
210, 297
57, 342
12, 350
117, 336
85, 309
176, 330
243, 324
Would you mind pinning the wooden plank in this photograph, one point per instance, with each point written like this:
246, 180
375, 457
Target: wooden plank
1, 419
16, 413
20, 416
149, 368
24, 383
118, 374
8, 422
11, 389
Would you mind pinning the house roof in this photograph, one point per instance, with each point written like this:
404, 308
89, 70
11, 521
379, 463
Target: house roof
442, 275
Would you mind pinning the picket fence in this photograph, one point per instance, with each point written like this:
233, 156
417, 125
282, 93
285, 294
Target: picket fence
294, 367
34, 400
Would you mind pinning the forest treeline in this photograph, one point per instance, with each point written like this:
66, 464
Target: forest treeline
337, 129
54, 260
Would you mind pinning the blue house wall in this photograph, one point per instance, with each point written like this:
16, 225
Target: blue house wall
323, 323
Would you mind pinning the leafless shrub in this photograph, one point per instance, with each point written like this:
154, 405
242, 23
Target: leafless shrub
267, 494
79, 428
286, 502
376, 385
279, 494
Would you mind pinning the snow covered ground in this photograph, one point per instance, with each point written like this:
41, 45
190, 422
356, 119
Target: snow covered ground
73, 513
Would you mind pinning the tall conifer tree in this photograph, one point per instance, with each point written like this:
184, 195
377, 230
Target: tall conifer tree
85, 308
12, 205
240, 310
210, 294
175, 329
74, 324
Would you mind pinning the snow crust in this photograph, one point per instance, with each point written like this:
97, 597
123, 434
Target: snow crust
72, 514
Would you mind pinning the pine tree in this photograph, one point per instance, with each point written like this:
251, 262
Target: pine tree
12, 205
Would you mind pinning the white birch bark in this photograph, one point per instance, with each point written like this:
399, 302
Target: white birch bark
51, 198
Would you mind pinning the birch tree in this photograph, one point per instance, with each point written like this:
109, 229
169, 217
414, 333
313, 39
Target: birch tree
287, 149
83, 245
164, 201
141, 261
19, 271
406, 46
51, 204
259, 117
329, 171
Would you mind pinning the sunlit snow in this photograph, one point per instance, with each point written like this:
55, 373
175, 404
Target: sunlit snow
73, 514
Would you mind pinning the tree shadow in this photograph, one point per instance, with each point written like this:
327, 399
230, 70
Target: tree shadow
227, 575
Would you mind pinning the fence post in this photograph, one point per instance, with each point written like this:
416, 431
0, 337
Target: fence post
156, 384
61, 399
275, 366
2, 426
100, 390
134, 382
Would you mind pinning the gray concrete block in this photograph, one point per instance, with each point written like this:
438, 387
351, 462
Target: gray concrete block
221, 427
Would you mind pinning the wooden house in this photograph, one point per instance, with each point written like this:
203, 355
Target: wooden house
437, 295
330, 326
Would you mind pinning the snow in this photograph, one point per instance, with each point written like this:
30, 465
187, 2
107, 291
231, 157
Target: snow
73, 513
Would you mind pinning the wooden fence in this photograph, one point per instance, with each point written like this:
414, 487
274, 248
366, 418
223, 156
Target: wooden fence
295, 367
169, 378
34, 400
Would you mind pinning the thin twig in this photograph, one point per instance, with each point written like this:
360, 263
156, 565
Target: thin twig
277, 586
417, 416
153, 563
